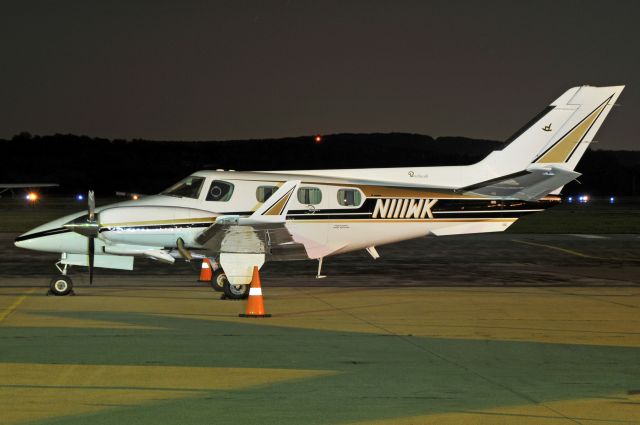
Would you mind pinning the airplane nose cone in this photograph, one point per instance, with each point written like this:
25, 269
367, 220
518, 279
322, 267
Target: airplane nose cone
19, 243
27, 240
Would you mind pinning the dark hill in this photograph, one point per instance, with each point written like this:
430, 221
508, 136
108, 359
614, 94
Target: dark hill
80, 162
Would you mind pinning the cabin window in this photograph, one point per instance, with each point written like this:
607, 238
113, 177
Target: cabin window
220, 191
187, 188
349, 197
264, 192
309, 195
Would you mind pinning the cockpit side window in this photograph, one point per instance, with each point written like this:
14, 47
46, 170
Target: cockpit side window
220, 191
187, 188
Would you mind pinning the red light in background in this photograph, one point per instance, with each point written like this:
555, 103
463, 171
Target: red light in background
318, 139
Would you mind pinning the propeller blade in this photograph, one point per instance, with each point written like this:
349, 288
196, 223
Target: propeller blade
92, 249
91, 200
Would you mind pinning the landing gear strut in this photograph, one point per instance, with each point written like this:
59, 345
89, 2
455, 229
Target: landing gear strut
61, 284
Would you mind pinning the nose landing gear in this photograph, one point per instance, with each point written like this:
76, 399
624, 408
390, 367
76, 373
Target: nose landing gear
61, 284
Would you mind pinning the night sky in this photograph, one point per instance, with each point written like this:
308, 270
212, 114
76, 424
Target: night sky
237, 70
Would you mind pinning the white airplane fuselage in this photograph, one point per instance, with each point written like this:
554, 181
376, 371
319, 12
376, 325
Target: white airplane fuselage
383, 215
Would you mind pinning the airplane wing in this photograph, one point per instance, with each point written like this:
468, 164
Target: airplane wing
531, 184
263, 232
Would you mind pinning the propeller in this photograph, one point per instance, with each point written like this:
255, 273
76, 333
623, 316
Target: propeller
91, 201
87, 226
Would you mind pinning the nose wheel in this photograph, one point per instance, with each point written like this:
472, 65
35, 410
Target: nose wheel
60, 285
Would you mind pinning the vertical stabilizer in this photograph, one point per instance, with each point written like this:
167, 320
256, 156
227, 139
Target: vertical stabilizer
560, 134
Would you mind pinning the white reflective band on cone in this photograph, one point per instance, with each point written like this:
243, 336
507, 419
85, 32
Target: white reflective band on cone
255, 291
205, 265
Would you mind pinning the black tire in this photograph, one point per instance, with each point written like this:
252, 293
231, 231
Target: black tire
218, 280
235, 292
61, 285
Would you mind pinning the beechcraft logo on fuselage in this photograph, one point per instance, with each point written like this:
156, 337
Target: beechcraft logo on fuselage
403, 208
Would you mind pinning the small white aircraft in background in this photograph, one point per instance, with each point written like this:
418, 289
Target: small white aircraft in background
31, 196
242, 219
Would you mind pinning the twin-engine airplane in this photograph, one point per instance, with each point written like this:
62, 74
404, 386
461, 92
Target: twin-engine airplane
242, 219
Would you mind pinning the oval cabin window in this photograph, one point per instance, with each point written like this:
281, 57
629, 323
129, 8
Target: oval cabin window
264, 192
349, 197
309, 195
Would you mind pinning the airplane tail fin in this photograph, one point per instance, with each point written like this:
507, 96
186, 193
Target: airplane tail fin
540, 158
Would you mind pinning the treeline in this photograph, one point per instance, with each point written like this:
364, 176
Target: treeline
78, 163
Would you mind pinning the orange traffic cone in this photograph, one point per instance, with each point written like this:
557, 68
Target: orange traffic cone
255, 304
206, 271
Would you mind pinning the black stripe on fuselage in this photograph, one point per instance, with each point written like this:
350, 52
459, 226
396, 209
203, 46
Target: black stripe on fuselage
443, 208
50, 232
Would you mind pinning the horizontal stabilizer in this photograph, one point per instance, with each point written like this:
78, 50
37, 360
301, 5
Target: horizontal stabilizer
529, 185
276, 207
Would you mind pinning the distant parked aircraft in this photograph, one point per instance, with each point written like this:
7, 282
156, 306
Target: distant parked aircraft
8, 186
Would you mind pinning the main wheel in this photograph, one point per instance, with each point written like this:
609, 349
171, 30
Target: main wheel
61, 285
235, 292
218, 280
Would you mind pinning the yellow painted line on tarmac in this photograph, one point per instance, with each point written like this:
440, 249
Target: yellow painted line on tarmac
572, 252
615, 408
182, 378
32, 391
15, 305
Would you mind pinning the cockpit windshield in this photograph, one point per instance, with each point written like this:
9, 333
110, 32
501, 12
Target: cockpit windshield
187, 188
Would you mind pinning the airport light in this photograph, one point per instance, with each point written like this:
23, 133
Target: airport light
570, 199
32, 197
135, 197
79, 197
612, 200
318, 139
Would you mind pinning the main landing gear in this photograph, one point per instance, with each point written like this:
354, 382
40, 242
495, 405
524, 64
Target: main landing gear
61, 284
220, 283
